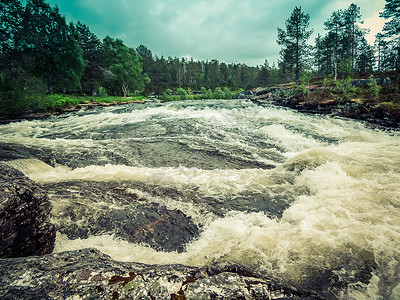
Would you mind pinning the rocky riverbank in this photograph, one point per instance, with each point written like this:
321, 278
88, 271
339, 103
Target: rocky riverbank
354, 101
90, 274
66, 109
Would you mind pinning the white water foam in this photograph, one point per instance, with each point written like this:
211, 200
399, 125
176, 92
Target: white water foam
351, 213
347, 220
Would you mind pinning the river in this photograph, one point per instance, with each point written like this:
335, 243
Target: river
311, 200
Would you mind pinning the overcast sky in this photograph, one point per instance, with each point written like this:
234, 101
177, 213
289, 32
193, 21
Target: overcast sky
232, 31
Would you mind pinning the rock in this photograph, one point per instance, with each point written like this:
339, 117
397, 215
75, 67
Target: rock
93, 208
13, 151
25, 227
90, 274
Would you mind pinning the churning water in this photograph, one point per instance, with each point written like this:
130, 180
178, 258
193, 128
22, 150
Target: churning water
311, 200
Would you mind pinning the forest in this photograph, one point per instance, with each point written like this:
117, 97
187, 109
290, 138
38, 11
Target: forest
43, 57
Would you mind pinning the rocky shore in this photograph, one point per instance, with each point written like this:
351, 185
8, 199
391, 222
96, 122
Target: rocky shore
90, 274
318, 99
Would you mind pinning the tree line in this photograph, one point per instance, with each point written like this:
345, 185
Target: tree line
343, 50
40, 52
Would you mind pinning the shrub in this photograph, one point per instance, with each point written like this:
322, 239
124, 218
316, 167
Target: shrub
343, 90
301, 90
102, 92
373, 88
19, 98
182, 93
228, 93
218, 93
236, 93
210, 94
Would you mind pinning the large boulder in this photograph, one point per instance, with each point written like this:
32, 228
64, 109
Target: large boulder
90, 274
25, 227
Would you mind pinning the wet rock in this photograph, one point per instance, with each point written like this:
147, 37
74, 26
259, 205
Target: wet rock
90, 274
13, 151
25, 227
272, 200
92, 208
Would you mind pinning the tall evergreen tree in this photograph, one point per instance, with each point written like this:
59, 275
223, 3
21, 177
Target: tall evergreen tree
379, 46
94, 54
365, 58
339, 49
294, 41
354, 34
148, 67
391, 29
263, 74
161, 75
333, 41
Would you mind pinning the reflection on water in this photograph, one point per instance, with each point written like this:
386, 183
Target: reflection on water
311, 200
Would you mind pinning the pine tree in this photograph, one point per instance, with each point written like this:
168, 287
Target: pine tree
354, 35
335, 27
95, 56
294, 41
391, 29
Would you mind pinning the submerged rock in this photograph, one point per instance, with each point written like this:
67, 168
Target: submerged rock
90, 274
83, 209
25, 227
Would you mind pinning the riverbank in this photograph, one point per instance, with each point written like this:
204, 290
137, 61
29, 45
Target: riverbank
68, 103
374, 100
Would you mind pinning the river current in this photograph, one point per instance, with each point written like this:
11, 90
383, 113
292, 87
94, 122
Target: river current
311, 200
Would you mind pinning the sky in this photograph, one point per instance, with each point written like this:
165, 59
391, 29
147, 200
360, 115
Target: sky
232, 31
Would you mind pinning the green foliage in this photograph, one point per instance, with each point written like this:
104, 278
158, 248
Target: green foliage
343, 51
345, 67
94, 55
328, 82
228, 93
166, 97
39, 42
391, 13
12, 98
102, 92
21, 97
373, 88
218, 93
231, 82
209, 94
125, 67
58, 101
343, 90
182, 93
390, 106
294, 42
301, 90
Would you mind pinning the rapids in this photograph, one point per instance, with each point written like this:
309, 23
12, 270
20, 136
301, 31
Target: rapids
308, 199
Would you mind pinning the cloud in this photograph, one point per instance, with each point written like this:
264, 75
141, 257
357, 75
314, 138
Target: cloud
228, 30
